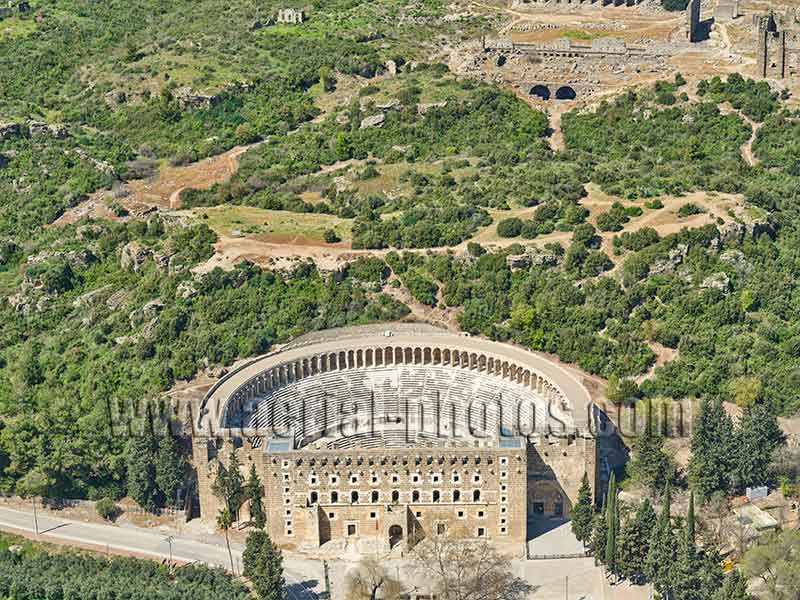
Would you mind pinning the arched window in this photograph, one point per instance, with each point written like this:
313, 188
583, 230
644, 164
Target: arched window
395, 496
354, 497
313, 498
435, 495
415, 496
476, 496
375, 496
334, 497
456, 495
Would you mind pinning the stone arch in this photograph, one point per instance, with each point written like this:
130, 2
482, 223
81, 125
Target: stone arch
437, 356
427, 356
540, 91
408, 356
417, 356
398, 355
566, 92
395, 535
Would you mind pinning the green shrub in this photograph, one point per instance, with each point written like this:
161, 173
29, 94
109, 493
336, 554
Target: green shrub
509, 228
107, 509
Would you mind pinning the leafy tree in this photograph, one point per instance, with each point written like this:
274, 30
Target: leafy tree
369, 580
508, 228
263, 566
775, 561
253, 492
583, 512
106, 509
224, 522
228, 485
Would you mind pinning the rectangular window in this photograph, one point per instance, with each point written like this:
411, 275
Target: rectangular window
351, 529
481, 532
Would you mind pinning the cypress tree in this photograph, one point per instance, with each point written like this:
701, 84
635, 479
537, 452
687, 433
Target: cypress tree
663, 548
733, 588
612, 524
599, 534
756, 439
583, 512
142, 485
690, 519
712, 460
634, 541
253, 491
650, 465
263, 566
170, 468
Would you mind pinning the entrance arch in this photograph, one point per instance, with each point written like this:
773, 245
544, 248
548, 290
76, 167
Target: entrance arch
565, 92
542, 91
395, 535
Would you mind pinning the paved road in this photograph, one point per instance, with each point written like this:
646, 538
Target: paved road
303, 577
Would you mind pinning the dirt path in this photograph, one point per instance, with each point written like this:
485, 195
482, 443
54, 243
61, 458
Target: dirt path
746, 149
556, 135
445, 317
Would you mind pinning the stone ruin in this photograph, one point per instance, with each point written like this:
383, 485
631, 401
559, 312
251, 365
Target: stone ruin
777, 44
290, 16
726, 11
517, 4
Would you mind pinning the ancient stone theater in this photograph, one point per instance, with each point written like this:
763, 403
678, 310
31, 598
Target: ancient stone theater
372, 438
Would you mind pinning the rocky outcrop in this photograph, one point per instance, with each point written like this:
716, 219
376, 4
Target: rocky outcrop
9, 130
114, 98
424, 108
188, 98
133, 256
373, 121
162, 262
186, 290
737, 260
518, 261
717, 281
747, 227
58, 131
91, 298
669, 265
391, 67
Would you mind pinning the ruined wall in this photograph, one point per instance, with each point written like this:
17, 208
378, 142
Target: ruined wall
555, 472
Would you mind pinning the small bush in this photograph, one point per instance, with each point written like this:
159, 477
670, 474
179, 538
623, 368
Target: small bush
509, 228
331, 237
689, 209
107, 509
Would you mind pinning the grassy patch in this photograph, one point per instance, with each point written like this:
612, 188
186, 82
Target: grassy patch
273, 225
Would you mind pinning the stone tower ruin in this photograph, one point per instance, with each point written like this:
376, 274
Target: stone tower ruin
693, 20
771, 48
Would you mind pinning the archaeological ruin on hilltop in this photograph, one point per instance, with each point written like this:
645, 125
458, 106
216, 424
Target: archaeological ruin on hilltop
373, 438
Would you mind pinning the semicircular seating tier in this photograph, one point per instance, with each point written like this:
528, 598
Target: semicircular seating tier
393, 386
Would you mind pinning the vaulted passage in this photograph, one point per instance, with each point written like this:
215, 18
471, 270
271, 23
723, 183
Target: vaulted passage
542, 91
565, 92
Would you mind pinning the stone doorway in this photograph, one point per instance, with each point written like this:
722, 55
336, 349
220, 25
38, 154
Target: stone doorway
395, 535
